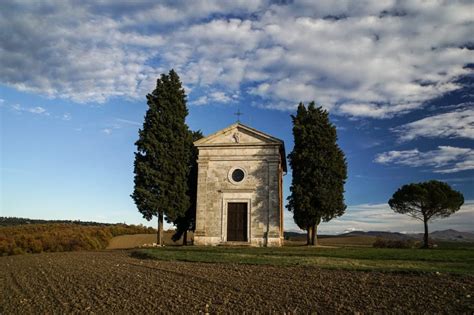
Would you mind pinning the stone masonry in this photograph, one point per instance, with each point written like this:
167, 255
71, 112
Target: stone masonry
261, 158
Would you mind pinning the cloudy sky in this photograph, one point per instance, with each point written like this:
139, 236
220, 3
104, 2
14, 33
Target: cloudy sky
396, 76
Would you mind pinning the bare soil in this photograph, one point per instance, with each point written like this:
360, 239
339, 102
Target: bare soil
114, 282
137, 240
131, 241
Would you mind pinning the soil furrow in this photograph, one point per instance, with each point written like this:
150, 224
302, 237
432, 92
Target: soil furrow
113, 282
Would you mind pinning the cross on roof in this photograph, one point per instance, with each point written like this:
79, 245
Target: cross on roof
238, 114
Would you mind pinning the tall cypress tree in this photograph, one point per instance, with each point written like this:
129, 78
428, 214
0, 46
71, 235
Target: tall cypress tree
319, 170
161, 161
299, 202
187, 221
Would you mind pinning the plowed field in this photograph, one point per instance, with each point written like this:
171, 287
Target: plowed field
113, 282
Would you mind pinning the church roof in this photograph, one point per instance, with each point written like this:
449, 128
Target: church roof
263, 139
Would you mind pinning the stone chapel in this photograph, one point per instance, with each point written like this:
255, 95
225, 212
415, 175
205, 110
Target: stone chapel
240, 188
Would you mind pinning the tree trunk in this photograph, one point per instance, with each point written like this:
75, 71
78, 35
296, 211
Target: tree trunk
314, 235
159, 234
425, 238
185, 238
308, 236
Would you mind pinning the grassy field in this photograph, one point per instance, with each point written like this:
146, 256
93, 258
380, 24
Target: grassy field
339, 241
460, 261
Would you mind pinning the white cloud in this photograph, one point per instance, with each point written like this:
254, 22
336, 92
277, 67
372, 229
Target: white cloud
128, 122
187, 11
220, 97
376, 111
374, 67
37, 110
203, 100
65, 50
214, 97
119, 123
445, 159
456, 124
363, 59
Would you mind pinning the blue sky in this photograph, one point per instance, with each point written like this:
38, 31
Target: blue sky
396, 77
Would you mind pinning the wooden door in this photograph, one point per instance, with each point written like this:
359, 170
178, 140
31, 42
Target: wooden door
237, 222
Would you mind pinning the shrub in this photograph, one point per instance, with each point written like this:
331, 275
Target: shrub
58, 237
391, 243
16, 251
35, 246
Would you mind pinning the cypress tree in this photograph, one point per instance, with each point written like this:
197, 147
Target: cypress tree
161, 161
187, 222
319, 171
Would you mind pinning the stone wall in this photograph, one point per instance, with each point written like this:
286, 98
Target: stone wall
259, 189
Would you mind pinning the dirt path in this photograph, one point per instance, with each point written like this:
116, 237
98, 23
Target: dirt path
113, 282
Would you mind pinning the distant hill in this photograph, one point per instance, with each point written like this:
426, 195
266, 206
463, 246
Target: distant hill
12, 221
388, 235
382, 234
446, 235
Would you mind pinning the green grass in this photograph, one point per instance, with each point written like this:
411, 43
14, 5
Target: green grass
459, 261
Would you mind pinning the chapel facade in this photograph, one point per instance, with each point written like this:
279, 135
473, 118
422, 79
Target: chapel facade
240, 188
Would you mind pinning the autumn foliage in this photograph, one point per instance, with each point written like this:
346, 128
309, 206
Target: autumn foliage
60, 237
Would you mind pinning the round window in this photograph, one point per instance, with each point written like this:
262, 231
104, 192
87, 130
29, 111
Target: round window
238, 175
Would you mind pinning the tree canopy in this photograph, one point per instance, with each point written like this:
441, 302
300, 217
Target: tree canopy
163, 149
426, 201
319, 170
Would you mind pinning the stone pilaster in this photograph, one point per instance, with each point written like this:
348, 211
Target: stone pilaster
201, 200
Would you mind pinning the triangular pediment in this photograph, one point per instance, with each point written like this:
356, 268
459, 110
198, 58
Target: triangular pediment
238, 134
